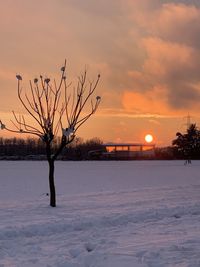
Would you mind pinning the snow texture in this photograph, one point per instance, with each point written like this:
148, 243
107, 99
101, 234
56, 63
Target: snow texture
67, 132
109, 214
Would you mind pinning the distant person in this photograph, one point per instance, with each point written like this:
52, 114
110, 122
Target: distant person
188, 161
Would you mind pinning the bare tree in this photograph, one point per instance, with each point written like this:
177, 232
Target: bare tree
57, 109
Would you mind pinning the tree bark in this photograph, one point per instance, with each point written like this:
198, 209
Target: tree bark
51, 184
51, 160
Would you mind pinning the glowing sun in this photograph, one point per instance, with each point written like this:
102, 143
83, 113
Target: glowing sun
148, 138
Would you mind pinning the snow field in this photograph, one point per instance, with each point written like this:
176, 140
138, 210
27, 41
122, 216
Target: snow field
109, 214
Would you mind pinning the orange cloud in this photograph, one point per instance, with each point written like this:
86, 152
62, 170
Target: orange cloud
153, 102
146, 102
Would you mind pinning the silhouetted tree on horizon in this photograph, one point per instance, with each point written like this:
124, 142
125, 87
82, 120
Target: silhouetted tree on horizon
56, 109
188, 144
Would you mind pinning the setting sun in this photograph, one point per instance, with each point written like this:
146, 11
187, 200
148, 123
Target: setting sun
148, 138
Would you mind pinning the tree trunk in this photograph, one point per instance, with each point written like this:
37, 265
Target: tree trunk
51, 184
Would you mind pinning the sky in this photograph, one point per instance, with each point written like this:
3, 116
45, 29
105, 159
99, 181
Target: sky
147, 52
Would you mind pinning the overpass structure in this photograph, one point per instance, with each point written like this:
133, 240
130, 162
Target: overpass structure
129, 150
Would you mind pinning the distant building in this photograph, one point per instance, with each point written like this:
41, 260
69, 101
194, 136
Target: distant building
128, 151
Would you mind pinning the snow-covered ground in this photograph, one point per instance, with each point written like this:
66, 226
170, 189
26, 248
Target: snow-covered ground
109, 214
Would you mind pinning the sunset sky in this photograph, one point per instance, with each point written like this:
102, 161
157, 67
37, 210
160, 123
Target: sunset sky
147, 52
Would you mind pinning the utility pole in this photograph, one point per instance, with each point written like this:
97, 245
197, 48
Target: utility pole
188, 121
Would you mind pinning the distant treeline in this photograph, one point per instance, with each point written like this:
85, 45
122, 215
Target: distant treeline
185, 146
30, 148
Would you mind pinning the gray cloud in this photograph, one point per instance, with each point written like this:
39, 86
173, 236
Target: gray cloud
183, 96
